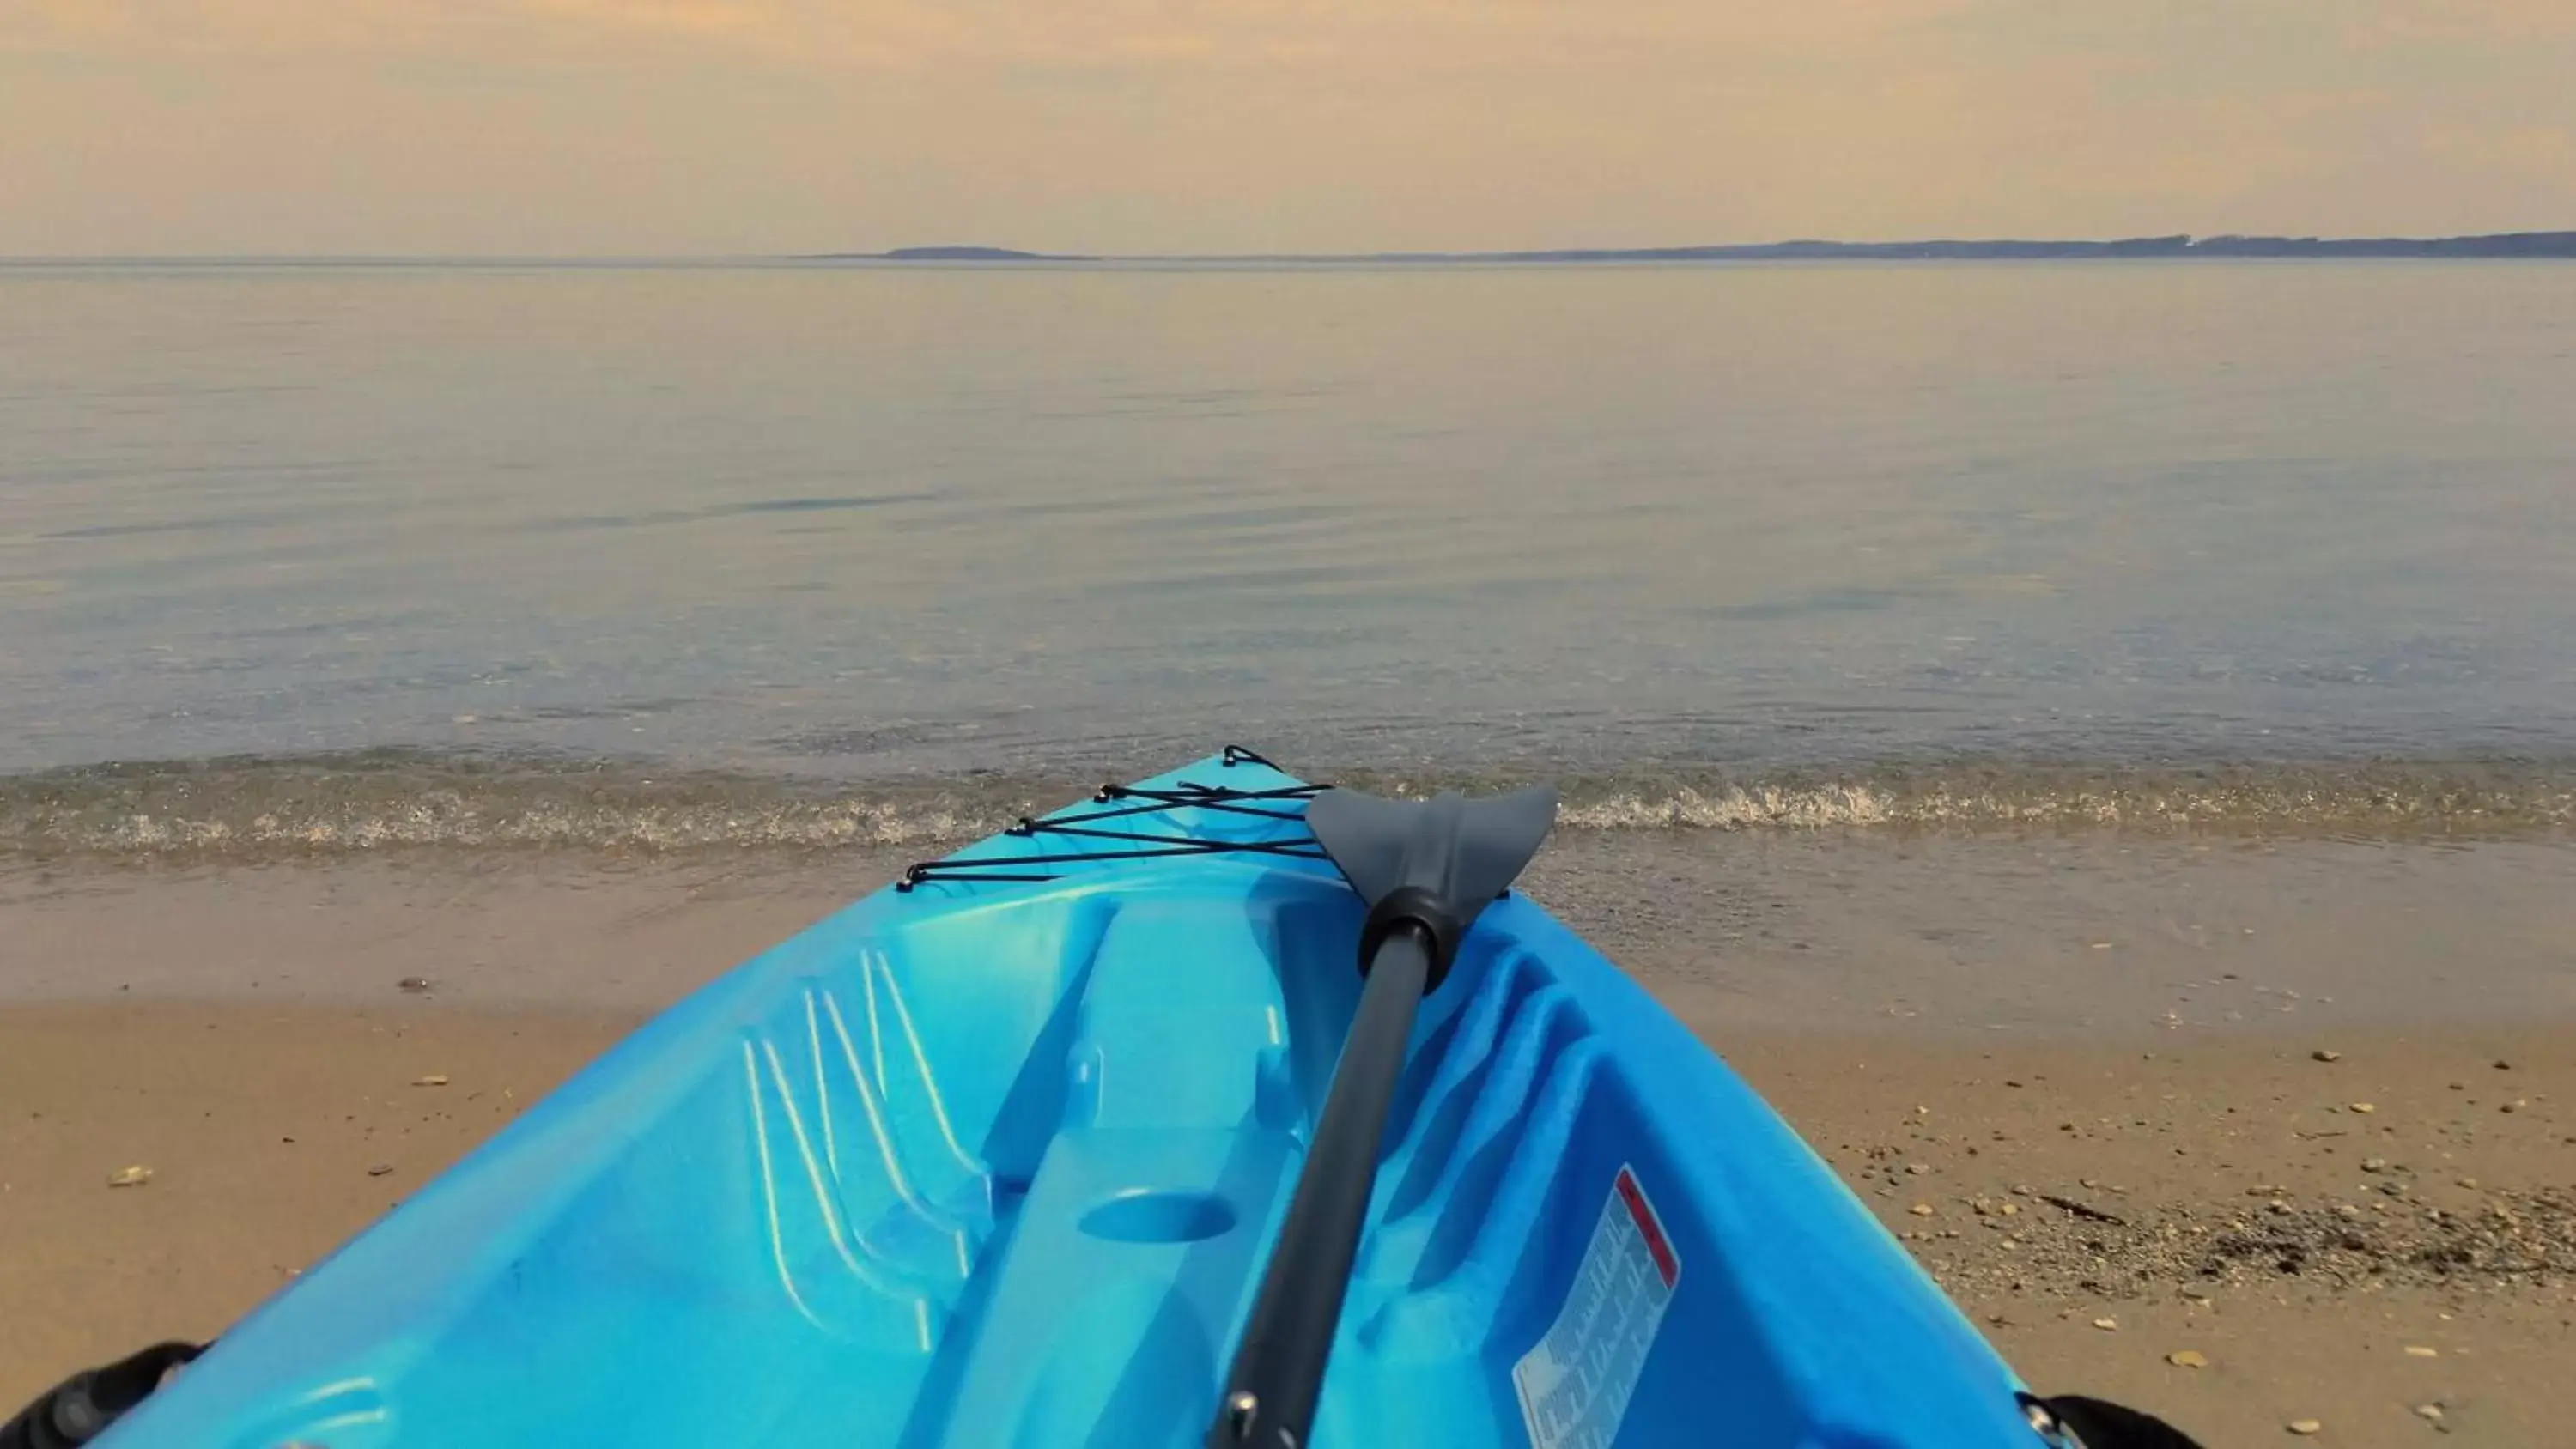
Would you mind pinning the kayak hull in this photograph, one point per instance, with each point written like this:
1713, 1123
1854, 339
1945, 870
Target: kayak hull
996, 1160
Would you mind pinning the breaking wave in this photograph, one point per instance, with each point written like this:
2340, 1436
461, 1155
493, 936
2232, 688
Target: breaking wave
391, 799
388, 800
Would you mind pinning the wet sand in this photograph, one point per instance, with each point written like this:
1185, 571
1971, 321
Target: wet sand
1984, 936
2099, 1054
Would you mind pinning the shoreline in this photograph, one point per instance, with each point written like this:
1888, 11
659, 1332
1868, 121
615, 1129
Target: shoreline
406, 800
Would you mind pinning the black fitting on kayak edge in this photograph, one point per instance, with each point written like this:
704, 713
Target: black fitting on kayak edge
81, 1407
2074, 1421
1413, 906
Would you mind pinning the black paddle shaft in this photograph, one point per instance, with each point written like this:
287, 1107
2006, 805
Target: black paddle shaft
1426, 869
1278, 1371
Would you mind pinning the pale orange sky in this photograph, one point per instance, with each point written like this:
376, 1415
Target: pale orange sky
697, 126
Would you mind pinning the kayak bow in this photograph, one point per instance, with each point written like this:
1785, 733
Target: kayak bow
1028, 1149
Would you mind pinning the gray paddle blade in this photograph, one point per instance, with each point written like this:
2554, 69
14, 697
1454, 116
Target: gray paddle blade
1461, 853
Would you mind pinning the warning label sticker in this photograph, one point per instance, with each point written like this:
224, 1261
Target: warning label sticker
1574, 1386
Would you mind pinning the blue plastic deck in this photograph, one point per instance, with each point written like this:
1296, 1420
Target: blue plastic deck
998, 1165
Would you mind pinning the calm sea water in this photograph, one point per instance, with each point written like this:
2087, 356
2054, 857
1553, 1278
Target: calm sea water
869, 525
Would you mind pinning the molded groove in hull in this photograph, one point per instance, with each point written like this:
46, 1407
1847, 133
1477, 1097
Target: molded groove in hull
875, 1214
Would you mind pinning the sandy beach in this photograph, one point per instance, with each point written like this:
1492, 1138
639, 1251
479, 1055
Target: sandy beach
2230, 1100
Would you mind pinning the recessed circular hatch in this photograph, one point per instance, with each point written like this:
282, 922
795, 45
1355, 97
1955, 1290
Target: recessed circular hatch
1149, 1216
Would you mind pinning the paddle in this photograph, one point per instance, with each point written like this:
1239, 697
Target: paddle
1426, 869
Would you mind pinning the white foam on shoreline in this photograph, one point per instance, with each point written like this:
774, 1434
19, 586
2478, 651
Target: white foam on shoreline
333, 805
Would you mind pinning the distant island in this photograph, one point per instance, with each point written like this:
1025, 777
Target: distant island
2520, 244
951, 254
946, 254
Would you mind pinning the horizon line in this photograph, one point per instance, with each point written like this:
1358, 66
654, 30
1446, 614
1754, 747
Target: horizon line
2549, 244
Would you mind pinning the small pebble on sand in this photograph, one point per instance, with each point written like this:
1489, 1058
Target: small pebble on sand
2502, 1065
2187, 1358
433, 1079
2364, 1108
414, 984
134, 1176
2429, 1411
380, 1169
2107, 1325
2303, 1427
2324, 1055
2417, 1350
1921, 1209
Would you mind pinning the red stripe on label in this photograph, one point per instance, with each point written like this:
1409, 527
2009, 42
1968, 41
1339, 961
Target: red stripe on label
1635, 1198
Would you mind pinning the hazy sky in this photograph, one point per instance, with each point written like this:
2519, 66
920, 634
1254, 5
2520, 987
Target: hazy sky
662, 126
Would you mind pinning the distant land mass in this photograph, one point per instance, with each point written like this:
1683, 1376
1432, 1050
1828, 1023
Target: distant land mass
954, 254
2519, 244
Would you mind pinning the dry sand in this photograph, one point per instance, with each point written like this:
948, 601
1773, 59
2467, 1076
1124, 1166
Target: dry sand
2225, 1198
262, 1131
240, 1033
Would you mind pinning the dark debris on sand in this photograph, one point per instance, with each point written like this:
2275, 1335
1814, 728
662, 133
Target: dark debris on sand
2509, 1241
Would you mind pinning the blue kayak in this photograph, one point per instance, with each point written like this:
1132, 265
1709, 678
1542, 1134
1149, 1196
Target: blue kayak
998, 1156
